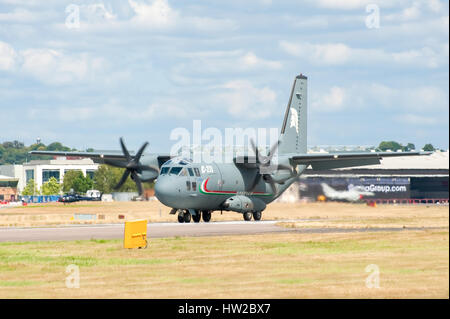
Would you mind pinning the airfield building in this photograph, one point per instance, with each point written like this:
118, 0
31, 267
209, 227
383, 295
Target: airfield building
400, 179
8, 188
42, 170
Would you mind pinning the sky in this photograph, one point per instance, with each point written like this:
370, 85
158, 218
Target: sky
85, 73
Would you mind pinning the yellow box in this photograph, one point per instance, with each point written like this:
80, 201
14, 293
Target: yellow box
135, 234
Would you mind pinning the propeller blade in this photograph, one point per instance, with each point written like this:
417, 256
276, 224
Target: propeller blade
123, 179
124, 150
273, 149
255, 182
255, 149
115, 163
269, 179
138, 182
139, 153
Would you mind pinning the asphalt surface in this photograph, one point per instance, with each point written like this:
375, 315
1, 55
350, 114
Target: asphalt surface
159, 230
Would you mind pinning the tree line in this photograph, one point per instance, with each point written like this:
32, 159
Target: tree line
16, 152
395, 146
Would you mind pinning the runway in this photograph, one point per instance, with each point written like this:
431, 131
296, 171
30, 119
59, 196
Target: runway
161, 230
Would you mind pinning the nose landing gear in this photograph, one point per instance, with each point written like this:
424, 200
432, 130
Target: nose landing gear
184, 216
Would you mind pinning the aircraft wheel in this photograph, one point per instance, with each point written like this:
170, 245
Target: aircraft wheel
247, 216
181, 217
187, 217
206, 215
197, 216
257, 215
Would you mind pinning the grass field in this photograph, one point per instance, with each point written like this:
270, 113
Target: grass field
411, 264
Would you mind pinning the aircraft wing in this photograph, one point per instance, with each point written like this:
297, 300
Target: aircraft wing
340, 160
106, 157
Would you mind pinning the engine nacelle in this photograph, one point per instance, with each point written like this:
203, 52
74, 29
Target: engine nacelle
147, 176
244, 204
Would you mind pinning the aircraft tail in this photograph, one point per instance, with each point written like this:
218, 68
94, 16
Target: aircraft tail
293, 131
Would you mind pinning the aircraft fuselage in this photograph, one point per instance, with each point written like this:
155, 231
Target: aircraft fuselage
206, 186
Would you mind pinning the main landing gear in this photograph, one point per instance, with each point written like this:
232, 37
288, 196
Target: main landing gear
248, 216
184, 216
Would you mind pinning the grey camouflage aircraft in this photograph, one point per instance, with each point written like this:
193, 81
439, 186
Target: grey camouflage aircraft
247, 184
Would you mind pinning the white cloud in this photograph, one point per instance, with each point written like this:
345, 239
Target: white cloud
157, 14
149, 15
19, 16
243, 99
224, 62
415, 119
328, 53
7, 56
341, 54
55, 67
423, 99
412, 12
435, 5
352, 4
250, 60
329, 102
49, 66
97, 12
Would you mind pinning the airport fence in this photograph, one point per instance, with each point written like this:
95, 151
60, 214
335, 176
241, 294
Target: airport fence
40, 198
406, 201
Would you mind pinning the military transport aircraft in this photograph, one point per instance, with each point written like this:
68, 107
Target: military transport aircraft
247, 184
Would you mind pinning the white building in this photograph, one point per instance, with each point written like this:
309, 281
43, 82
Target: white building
42, 170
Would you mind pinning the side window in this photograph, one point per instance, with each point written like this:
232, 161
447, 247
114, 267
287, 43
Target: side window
194, 186
188, 185
191, 172
197, 171
184, 172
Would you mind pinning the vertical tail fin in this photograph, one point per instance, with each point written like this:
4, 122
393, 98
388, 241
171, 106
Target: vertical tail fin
293, 131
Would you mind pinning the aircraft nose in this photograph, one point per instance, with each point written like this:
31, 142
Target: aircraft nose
164, 191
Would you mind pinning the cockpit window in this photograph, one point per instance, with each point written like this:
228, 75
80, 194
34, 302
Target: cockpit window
197, 171
164, 170
191, 172
184, 172
175, 171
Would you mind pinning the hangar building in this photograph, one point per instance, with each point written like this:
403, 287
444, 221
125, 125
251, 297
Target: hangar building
412, 177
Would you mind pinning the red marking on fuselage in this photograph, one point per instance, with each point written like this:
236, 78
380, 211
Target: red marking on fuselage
227, 192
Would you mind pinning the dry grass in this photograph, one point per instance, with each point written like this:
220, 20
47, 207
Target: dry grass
413, 264
386, 216
319, 214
